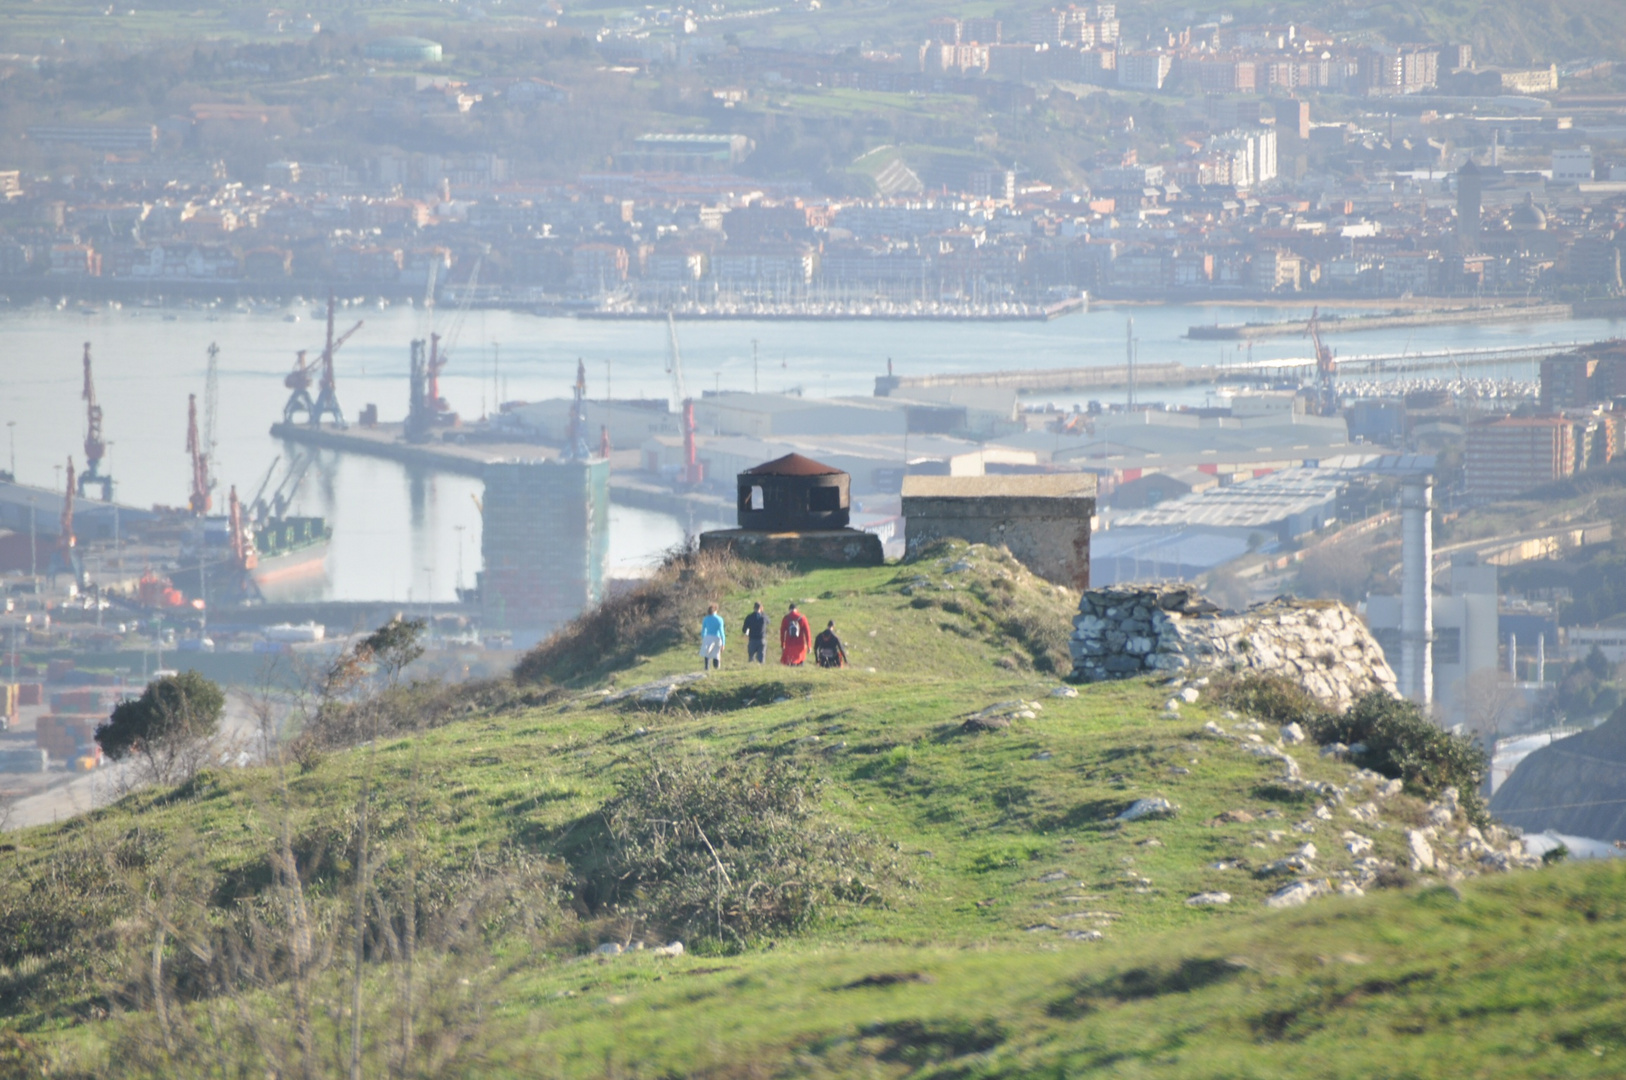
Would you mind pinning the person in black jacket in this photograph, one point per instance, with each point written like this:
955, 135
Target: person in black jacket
827, 648
756, 634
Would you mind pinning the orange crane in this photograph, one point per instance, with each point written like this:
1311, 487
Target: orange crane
244, 557
200, 500
95, 448
1326, 369
66, 557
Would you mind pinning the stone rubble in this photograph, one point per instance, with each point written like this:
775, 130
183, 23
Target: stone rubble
1132, 630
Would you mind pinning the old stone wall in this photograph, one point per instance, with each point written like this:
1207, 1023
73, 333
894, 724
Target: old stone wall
837, 547
1144, 629
1044, 521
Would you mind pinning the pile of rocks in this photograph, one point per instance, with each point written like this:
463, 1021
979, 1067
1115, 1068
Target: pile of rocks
1142, 629
1446, 845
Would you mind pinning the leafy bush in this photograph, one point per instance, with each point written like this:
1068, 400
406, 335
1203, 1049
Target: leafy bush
662, 612
729, 852
1275, 699
166, 726
1397, 740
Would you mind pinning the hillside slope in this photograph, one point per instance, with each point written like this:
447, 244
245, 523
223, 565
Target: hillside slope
914, 866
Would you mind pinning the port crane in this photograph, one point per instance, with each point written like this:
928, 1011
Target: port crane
199, 501
693, 473
300, 379
1326, 369
95, 447
65, 559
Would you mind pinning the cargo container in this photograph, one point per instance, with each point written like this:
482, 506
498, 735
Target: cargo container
79, 701
56, 669
24, 761
30, 693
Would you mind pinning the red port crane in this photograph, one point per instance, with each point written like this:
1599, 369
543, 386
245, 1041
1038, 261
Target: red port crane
199, 499
66, 556
1326, 369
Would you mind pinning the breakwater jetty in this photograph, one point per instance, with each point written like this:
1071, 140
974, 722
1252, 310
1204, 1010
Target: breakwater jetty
1395, 320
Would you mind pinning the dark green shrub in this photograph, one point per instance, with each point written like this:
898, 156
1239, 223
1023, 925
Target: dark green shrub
1398, 741
167, 728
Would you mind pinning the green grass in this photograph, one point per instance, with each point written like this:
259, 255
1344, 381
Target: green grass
1002, 844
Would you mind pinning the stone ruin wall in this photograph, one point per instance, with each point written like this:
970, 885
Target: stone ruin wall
1146, 629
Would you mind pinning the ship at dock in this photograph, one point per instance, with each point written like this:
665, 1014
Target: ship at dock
277, 560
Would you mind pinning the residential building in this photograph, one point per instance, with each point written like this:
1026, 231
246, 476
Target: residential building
1509, 456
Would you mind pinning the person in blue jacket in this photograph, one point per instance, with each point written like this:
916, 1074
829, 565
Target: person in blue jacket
712, 636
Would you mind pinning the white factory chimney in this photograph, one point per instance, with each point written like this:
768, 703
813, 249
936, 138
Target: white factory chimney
1417, 589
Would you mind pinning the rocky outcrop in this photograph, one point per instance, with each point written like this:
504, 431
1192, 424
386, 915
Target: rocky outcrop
1138, 630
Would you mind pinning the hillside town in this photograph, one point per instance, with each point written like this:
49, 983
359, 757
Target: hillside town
1221, 160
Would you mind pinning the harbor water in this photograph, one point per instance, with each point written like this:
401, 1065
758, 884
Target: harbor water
402, 534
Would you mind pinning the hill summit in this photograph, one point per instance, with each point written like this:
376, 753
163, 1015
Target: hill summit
941, 860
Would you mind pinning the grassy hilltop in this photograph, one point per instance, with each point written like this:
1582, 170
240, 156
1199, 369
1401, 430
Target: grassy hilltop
927, 897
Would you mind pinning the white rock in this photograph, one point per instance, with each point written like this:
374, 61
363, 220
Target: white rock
1083, 935
1418, 849
1142, 808
1297, 894
1323, 812
1389, 788
1171, 705
1367, 811
1212, 728
1190, 695
1307, 851
1064, 691
1204, 899
1335, 750
610, 948
673, 949
1292, 734
1356, 843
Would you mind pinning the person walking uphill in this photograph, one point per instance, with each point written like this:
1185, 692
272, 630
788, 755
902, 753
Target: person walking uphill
712, 635
795, 635
756, 630
827, 648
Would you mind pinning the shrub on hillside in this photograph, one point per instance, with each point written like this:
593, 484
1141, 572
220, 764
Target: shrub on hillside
1275, 699
656, 615
167, 727
727, 851
1391, 736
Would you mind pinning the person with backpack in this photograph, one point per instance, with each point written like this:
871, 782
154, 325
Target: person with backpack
756, 631
713, 634
795, 635
827, 648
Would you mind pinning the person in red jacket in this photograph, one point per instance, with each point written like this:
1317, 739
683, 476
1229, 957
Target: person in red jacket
795, 636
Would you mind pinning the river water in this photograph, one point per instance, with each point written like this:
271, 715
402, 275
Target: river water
401, 535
